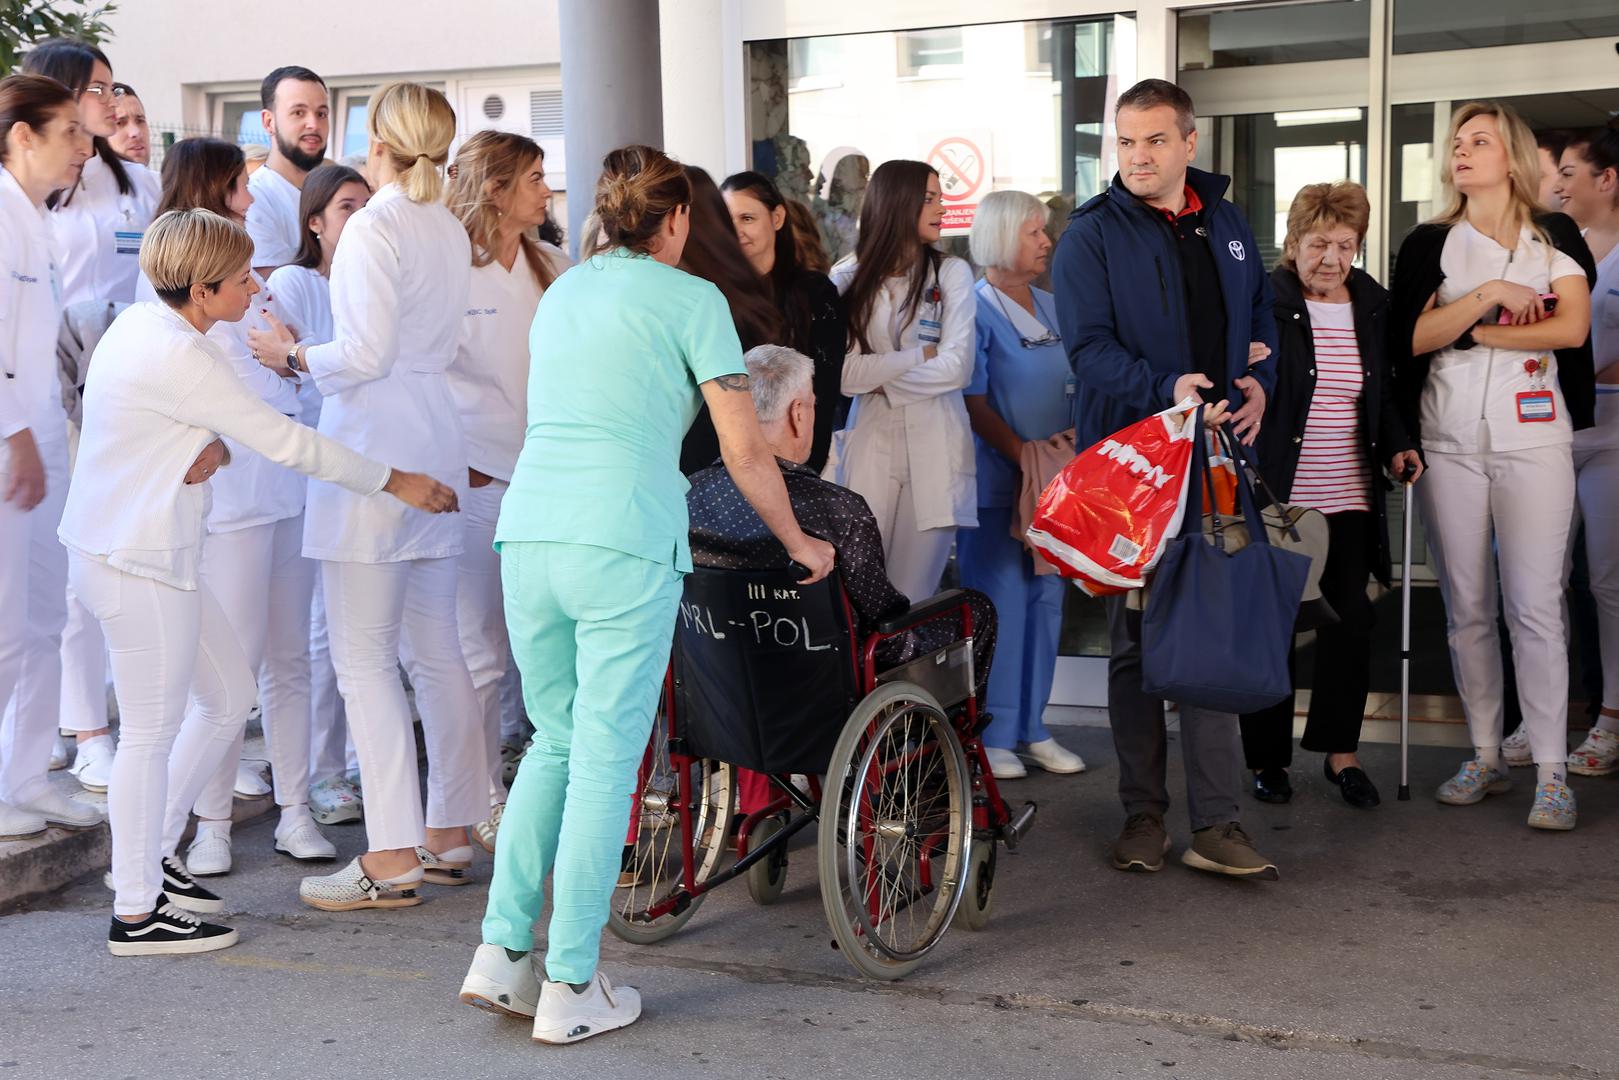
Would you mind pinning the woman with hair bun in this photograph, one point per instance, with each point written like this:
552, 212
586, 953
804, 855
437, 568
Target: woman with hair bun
388, 574
593, 543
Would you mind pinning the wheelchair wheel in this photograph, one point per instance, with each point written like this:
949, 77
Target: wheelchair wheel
654, 865
980, 894
896, 831
768, 877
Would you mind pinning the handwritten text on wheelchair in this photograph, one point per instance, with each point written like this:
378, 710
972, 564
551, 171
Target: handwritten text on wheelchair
785, 632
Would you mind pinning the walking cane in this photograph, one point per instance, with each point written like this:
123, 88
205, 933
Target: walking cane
1405, 643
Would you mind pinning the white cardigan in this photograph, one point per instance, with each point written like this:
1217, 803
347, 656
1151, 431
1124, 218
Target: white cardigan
399, 297
158, 393
921, 412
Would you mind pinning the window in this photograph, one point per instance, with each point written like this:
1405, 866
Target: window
1266, 34
240, 122
355, 106
1444, 25
935, 53
814, 63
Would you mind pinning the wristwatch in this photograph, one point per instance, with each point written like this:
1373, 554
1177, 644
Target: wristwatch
292, 358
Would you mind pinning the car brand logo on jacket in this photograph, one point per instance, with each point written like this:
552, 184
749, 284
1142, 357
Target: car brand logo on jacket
1237, 251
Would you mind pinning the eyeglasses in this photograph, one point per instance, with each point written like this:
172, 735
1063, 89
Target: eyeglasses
102, 90
1050, 337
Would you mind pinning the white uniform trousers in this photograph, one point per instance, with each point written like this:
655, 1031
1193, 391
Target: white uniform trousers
481, 615
914, 557
377, 614
1596, 473
33, 577
184, 686
331, 751
1525, 499
84, 655
264, 585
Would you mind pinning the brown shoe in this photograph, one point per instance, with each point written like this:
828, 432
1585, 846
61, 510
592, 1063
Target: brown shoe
1142, 844
1227, 849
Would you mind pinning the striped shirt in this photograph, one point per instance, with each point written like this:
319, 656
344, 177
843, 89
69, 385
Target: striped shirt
1333, 474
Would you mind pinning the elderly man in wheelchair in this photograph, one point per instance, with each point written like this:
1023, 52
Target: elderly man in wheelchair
773, 685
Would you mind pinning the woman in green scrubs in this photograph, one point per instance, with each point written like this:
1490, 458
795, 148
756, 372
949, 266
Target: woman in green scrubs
592, 541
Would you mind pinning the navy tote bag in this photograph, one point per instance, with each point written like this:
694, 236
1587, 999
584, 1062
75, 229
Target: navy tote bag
1218, 627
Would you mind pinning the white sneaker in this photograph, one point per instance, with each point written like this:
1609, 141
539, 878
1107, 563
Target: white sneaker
92, 765
302, 839
65, 813
501, 984
566, 1017
333, 801
18, 824
209, 853
1515, 748
1004, 764
250, 782
485, 831
1053, 757
59, 753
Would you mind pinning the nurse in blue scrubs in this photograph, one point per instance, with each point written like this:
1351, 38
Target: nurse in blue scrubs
1021, 391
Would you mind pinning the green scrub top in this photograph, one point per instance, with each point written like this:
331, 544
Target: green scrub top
618, 348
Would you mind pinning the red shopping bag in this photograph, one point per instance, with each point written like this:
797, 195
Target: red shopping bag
1103, 521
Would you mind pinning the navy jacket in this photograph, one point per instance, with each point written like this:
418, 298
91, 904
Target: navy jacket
1121, 305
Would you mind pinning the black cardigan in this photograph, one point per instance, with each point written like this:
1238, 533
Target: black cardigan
1416, 278
1382, 435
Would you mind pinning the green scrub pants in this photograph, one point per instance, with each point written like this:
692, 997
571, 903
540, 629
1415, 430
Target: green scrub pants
591, 630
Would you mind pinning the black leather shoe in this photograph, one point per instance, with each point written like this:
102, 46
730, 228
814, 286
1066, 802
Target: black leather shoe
1273, 786
1358, 789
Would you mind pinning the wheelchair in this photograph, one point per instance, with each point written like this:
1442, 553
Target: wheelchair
770, 675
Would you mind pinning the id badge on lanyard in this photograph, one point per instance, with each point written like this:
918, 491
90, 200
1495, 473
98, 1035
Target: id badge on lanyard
1536, 405
930, 325
127, 240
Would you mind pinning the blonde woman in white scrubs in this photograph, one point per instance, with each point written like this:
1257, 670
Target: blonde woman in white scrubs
1495, 402
302, 290
43, 143
908, 448
160, 400
399, 296
251, 563
500, 195
97, 219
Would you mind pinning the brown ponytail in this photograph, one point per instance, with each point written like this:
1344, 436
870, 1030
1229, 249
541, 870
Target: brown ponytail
638, 188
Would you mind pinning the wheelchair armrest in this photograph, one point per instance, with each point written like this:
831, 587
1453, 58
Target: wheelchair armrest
932, 608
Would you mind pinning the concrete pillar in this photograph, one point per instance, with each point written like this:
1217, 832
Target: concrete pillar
611, 90
704, 84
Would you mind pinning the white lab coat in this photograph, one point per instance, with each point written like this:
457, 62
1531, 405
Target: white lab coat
303, 299
99, 230
254, 490
399, 295
30, 311
272, 220
922, 397
490, 376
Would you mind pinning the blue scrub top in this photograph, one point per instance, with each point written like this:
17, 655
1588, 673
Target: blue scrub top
1031, 388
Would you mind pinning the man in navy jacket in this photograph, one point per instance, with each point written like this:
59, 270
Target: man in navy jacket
1161, 295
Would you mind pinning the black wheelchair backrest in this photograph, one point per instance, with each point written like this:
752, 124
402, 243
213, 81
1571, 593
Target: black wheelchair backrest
763, 667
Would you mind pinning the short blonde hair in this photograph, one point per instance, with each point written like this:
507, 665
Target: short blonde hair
997, 225
1318, 207
183, 248
416, 125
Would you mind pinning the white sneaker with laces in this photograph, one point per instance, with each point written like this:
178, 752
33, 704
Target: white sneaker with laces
1515, 748
63, 812
302, 839
485, 831
18, 824
209, 853
250, 782
59, 753
564, 1016
500, 984
1053, 757
1004, 764
92, 764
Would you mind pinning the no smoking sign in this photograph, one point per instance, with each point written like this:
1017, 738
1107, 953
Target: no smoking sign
964, 169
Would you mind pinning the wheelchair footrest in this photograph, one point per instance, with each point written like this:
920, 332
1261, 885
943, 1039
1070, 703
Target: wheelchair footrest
1016, 829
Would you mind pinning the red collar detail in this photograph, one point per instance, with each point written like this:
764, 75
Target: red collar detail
1194, 205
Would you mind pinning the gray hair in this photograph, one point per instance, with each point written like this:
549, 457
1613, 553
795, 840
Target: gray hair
998, 224
777, 375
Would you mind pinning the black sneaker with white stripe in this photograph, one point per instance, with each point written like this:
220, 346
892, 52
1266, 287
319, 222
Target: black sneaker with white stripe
168, 931
182, 889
